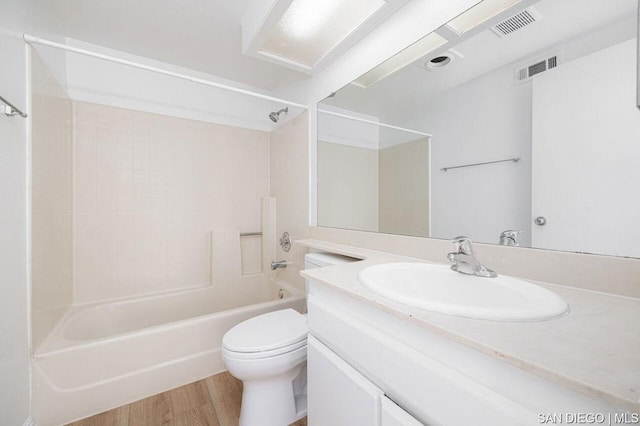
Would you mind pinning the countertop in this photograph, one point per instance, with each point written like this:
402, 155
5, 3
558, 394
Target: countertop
594, 350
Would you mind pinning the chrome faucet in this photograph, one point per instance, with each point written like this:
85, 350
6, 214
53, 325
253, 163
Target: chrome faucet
464, 260
510, 237
279, 264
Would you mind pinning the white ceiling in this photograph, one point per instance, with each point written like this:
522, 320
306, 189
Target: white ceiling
206, 35
203, 35
484, 51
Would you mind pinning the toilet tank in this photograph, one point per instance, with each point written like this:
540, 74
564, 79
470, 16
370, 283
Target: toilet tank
317, 260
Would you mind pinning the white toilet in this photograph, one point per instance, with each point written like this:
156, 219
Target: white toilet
269, 354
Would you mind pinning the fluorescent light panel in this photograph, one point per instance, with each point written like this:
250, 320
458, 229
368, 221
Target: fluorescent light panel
309, 29
478, 14
409, 55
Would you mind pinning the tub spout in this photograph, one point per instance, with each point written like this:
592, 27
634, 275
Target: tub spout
279, 264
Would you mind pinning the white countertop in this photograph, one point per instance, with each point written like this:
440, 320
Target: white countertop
595, 350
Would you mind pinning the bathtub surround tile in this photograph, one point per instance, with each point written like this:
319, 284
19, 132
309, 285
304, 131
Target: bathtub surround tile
52, 212
149, 189
251, 254
141, 243
290, 187
234, 287
268, 228
214, 401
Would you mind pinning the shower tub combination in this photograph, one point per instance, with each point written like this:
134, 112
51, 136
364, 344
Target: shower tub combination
105, 355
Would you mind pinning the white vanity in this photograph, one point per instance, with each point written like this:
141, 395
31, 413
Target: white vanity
372, 361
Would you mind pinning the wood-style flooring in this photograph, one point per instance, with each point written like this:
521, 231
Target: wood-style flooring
214, 401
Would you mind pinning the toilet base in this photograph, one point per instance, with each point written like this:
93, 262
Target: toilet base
273, 402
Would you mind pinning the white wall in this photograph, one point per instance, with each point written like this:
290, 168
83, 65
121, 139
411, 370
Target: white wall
489, 118
14, 335
17, 16
586, 153
485, 119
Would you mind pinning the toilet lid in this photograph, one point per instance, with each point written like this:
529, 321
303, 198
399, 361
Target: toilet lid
267, 332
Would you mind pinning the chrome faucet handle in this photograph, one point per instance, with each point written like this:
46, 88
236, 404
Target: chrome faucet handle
510, 237
463, 245
464, 260
511, 233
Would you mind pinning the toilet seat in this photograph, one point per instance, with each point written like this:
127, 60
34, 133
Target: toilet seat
267, 335
264, 355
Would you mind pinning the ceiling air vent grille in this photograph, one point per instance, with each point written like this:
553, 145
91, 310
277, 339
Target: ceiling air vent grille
516, 22
525, 73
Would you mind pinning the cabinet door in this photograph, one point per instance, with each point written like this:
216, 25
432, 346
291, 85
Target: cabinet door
394, 415
338, 395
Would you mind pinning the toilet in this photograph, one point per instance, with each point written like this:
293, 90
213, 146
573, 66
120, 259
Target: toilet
269, 354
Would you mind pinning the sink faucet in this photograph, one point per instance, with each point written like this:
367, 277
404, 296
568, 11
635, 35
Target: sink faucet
464, 260
279, 264
510, 237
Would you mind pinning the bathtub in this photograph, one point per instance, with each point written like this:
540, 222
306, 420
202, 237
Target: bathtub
105, 355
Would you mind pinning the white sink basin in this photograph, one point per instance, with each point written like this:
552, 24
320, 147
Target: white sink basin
437, 288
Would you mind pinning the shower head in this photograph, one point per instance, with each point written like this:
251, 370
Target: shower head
275, 116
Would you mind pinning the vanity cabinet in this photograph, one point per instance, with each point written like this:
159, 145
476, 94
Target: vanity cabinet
337, 393
374, 367
392, 415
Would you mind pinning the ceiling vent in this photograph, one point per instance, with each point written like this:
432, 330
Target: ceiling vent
526, 73
516, 22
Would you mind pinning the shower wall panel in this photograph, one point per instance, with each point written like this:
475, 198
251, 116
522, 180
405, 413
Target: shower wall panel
149, 189
290, 188
51, 237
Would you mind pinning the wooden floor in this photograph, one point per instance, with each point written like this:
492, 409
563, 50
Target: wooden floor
214, 401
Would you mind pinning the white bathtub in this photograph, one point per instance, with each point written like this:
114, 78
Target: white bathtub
103, 356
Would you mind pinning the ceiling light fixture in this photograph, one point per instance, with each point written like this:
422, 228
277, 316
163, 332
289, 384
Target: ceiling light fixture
304, 18
308, 34
311, 28
407, 56
478, 14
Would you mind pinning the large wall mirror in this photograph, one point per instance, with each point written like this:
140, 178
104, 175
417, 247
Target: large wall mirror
516, 123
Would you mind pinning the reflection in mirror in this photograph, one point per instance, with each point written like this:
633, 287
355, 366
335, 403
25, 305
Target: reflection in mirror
518, 117
372, 177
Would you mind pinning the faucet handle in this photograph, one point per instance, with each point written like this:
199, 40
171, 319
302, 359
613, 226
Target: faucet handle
510, 237
463, 244
511, 233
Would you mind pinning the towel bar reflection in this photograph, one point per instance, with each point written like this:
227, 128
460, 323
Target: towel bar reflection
250, 234
515, 160
11, 110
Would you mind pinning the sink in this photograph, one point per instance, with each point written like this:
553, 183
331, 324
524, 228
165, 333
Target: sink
439, 289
